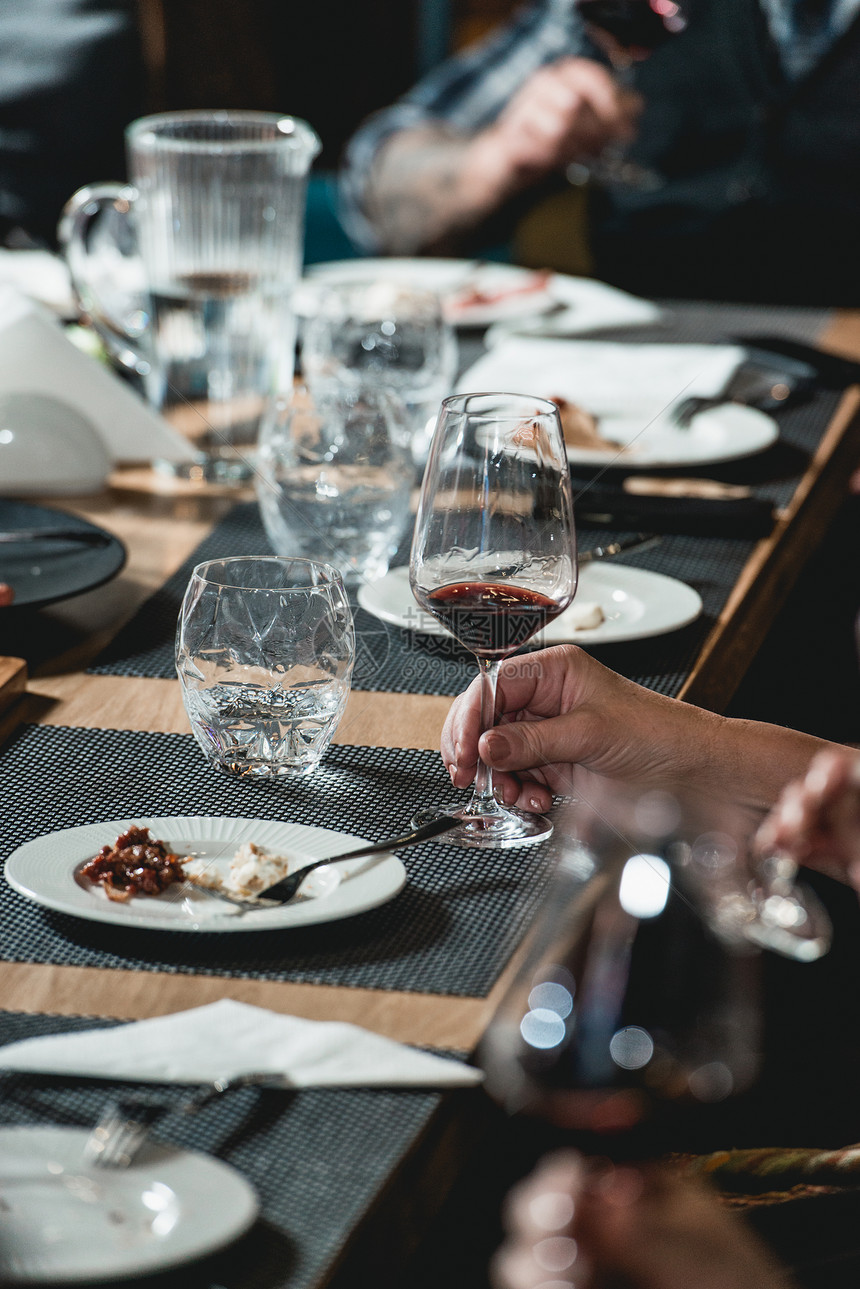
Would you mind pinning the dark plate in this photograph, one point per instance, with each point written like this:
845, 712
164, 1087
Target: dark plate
41, 572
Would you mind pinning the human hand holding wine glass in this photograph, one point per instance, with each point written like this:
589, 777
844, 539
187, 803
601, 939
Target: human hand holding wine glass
628, 31
494, 559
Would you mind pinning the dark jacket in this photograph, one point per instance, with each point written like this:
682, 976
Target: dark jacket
762, 199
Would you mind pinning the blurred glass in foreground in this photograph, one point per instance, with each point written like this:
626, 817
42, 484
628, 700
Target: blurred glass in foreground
640, 996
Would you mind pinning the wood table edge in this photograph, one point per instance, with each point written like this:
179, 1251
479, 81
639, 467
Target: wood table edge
775, 564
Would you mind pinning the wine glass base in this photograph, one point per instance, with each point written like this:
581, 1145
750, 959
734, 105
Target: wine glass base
498, 830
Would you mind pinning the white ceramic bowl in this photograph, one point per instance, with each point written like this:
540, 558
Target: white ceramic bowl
48, 447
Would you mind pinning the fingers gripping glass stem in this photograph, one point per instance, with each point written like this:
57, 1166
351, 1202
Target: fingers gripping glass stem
494, 560
483, 802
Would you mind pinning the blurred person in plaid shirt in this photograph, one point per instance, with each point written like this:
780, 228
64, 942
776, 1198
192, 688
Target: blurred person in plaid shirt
749, 115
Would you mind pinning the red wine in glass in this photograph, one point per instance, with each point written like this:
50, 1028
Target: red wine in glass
627, 31
635, 1014
494, 560
491, 619
636, 27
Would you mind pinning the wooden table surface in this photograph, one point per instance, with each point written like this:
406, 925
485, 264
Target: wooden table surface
161, 525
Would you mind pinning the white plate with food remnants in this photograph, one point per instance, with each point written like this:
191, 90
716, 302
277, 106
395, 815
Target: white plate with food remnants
480, 294
613, 603
474, 294
617, 401
67, 1222
241, 854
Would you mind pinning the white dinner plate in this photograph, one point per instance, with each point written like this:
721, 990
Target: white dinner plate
636, 603
65, 1222
522, 292
723, 433
44, 870
629, 388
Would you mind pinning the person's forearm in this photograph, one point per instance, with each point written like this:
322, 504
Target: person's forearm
750, 760
430, 187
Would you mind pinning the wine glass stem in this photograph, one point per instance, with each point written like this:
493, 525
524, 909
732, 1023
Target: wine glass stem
483, 802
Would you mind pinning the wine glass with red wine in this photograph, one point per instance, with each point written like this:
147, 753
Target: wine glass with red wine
631, 1020
494, 560
628, 31
634, 1020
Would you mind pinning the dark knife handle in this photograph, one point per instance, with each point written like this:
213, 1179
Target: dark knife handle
698, 517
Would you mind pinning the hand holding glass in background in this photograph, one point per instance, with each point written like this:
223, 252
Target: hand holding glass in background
627, 31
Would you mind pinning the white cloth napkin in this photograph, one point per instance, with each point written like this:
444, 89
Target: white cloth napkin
607, 379
37, 358
40, 275
589, 305
227, 1038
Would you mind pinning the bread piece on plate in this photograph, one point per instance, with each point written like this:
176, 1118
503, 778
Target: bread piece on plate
252, 870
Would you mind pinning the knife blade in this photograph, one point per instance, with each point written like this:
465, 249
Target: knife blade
638, 543
87, 536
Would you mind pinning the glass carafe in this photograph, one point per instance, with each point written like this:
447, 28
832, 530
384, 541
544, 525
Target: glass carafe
188, 272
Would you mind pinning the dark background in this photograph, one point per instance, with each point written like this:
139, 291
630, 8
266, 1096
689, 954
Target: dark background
331, 62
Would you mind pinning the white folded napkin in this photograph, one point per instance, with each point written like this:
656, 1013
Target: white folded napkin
227, 1038
37, 358
607, 379
589, 305
40, 275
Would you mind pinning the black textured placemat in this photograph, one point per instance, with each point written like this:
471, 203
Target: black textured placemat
450, 931
317, 1158
689, 322
390, 660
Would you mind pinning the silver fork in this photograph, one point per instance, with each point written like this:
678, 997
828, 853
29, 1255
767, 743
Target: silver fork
751, 385
126, 1122
287, 888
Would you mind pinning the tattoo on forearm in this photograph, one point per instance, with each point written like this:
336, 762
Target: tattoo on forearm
416, 197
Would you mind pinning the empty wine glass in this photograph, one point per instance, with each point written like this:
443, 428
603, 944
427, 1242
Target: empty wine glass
494, 559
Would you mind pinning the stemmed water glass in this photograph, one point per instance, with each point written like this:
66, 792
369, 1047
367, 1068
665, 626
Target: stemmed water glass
494, 560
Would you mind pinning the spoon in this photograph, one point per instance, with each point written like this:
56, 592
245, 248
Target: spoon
287, 888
